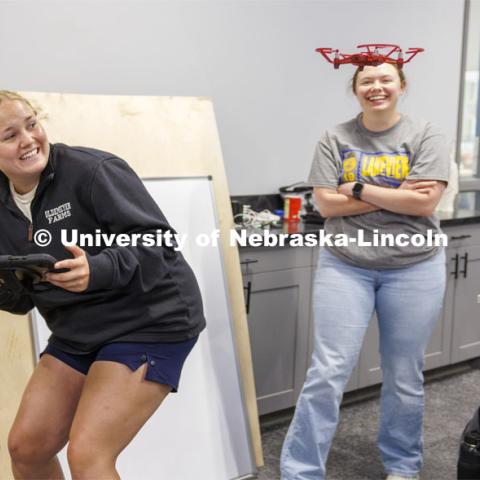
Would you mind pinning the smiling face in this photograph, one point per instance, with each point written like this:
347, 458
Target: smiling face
378, 88
24, 145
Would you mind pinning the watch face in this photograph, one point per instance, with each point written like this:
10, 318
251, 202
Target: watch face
356, 190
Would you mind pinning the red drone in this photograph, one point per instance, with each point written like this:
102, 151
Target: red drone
371, 56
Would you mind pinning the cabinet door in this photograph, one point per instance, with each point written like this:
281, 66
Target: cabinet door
466, 314
437, 353
278, 321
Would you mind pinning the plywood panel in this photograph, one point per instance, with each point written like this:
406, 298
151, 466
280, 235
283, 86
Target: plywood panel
158, 136
16, 359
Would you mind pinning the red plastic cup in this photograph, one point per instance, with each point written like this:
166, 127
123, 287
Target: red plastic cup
292, 207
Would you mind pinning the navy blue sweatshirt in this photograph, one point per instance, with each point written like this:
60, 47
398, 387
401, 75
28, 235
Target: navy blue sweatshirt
135, 293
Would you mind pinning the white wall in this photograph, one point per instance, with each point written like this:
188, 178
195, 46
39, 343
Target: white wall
272, 93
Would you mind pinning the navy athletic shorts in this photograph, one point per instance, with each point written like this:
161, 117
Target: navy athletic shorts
165, 360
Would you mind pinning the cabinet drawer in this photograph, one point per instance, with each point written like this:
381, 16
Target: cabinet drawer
271, 259
461, 236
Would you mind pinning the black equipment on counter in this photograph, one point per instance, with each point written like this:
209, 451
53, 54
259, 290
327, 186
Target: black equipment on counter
468, 466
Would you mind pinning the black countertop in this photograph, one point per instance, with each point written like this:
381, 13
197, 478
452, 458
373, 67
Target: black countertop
275, 201
459, 217
290, 230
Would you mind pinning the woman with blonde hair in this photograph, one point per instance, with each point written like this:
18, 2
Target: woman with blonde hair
123, 318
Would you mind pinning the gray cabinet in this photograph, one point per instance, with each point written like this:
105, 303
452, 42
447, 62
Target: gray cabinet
462, 299
281, 329
456, 336
278, 285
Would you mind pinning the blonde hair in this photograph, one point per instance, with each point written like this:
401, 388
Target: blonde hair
9, 95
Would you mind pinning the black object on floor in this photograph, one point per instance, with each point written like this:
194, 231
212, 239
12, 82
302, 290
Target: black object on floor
468, 467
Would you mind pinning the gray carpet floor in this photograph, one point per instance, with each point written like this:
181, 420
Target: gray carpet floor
449, 404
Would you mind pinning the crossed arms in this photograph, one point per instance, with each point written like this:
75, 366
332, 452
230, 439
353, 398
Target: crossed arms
412, 197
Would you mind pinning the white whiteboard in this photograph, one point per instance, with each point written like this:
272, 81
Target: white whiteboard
202, 431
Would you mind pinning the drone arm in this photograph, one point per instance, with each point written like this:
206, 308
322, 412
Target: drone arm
325, 52
412, 52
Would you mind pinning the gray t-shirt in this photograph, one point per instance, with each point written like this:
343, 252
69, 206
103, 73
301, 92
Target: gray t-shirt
411, 149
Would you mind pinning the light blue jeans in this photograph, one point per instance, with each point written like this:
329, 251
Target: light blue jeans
408, 302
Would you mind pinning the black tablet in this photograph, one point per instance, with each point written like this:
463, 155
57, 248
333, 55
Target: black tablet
18, 272
34, 265
36, 261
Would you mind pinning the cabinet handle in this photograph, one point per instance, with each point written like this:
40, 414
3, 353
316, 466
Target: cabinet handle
248, 261
455, 273
248, 288
465, 263
460, 237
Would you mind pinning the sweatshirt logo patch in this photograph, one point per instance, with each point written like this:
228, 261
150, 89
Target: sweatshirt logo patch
382, 168
58, 213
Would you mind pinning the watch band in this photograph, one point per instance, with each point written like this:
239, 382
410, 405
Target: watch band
357, 190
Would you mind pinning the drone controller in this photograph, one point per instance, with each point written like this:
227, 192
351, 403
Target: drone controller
26, 269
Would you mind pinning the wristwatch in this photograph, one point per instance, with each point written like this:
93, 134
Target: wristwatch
357, 190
